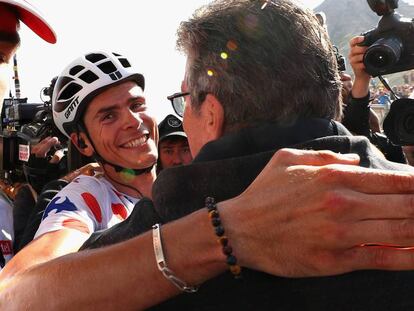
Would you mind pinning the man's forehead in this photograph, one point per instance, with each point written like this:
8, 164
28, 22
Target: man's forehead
114, 96
125, 89
8, 22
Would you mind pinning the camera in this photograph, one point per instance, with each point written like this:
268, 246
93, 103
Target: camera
24, 124
391, 49
14, 148
41, 125
399, 122
391, 44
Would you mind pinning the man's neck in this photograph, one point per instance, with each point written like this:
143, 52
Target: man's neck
134, 186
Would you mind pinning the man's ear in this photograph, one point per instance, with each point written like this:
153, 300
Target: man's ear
214, 117
82, 143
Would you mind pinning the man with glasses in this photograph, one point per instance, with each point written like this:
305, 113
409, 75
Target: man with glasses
260, 77
299, 218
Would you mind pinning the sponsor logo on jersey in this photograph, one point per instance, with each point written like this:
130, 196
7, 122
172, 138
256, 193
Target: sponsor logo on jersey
66, 205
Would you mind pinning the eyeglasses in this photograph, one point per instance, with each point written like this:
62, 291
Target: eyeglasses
178, 102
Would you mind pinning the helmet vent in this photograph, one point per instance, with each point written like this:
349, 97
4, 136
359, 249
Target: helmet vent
75, 70
116, 54
94, 57
107, 67
70, 90
88, 77
62, 82
124, 62
116, 75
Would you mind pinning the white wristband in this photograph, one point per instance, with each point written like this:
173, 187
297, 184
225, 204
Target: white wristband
162, 264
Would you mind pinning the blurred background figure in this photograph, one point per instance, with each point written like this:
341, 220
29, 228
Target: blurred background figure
383, 97
173, 146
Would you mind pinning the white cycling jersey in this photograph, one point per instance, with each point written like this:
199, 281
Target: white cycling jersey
87, 204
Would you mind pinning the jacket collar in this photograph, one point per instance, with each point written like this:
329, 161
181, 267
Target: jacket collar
269, 136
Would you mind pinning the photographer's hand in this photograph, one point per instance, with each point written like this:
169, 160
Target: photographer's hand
360, 88
41, 149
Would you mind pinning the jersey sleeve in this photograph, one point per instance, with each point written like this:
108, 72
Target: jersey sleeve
77, 207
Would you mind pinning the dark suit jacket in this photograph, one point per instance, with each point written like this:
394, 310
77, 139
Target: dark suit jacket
226, 167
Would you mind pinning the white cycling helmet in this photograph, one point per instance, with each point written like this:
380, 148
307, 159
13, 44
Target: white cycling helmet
85, 78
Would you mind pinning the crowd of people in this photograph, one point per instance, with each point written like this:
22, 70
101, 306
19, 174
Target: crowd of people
261, 193
380, 95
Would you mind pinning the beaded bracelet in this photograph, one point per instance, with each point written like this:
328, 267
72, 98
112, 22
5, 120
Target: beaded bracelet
231, 260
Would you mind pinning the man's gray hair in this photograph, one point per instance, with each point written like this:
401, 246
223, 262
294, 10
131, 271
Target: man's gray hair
263, 60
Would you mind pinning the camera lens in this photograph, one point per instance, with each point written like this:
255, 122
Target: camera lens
399, 122
382, 55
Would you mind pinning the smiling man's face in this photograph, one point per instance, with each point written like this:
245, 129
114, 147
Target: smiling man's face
121, 129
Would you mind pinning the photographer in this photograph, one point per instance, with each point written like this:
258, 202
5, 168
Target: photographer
357, 111
48, 152
47, 162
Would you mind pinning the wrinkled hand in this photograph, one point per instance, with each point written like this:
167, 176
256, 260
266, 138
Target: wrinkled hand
89, 169
362, 78
310, 213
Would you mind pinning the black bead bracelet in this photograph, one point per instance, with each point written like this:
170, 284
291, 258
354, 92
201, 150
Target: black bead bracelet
214, 215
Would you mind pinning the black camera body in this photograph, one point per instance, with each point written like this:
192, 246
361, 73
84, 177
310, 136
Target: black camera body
24, 124
40, 127
17, 111
14, 146
391, 44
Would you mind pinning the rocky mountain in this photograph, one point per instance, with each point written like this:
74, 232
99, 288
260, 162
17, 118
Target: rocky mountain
347, 18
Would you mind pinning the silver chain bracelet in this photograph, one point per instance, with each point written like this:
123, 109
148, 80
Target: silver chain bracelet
162, 264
